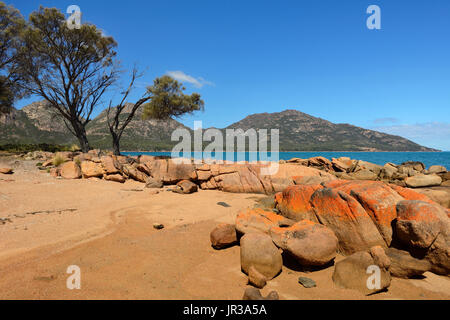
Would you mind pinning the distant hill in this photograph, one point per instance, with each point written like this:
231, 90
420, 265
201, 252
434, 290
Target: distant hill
299, 131
36, 123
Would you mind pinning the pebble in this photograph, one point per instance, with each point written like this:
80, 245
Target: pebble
158, 226
223, 204
307, 282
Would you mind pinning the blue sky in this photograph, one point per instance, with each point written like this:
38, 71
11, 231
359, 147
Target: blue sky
316, 56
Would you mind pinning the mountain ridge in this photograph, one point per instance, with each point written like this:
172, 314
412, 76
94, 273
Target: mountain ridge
298, 131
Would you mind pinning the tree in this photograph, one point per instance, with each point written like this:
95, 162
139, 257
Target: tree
70, 68
11, 25
166, 99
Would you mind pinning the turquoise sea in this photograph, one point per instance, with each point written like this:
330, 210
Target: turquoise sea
428, 158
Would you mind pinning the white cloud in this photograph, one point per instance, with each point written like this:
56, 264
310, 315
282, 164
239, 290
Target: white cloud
386, 120
183, 77
430, 134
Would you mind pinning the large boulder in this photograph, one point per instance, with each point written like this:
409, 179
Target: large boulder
259, 220
437, 169
364, 165
425, 227
110, 165
422, 180
416, 165
70, 170
418, 223
388, 171
135, 174
410, 194
91, 169
440, 196
223, 236
356, 272
342, 164
311, 244
378, 200
347, 219
258, 250
364, 174
294, 204
403, 265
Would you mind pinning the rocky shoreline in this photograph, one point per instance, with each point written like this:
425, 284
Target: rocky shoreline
245, 177
386, 216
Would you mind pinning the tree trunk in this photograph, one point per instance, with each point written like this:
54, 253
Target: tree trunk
116, 146
115, 143
80, 132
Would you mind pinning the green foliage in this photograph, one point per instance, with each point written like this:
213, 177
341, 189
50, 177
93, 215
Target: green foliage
33, 147
168, 100
11, 25
70, 68
74, 147
6, 96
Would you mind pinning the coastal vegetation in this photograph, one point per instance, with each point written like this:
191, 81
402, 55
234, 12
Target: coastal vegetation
72, 69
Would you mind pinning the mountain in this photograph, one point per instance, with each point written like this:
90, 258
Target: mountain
36, 123
138, 135
299, 131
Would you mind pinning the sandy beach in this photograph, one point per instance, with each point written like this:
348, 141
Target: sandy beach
106, 229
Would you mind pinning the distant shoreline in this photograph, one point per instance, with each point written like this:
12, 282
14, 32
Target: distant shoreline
308, 151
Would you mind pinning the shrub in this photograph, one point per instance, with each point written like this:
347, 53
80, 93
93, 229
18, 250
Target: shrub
58, 160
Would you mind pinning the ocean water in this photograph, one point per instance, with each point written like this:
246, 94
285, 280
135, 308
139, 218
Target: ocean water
428, 158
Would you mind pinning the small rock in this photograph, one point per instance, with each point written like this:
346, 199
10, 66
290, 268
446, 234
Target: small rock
153, 183
158, 226
307, 282
186, 187
116, 178
6, 170
252, 293
255, 278
223, 204
223, 236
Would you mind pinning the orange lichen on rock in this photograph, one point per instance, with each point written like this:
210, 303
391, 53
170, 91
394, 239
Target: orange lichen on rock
293, 202
347, 218
409, 194
250, 220
378, 200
